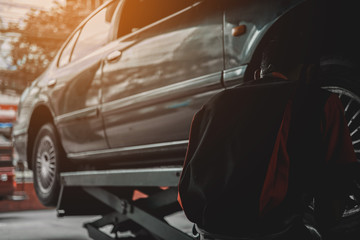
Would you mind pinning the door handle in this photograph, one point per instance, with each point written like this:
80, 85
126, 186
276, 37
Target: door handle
51, 82
114, 56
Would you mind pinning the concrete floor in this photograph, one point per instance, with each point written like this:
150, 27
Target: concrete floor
44, 225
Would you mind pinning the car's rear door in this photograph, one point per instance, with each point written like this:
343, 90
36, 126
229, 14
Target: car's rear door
75, 85
168, 61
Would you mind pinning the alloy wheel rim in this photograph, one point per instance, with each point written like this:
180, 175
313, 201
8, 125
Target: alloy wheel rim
351, 104
46, 165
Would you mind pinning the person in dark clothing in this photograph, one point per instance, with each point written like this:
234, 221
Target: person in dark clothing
259, 152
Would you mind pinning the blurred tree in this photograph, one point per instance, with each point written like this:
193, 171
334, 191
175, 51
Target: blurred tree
40, 36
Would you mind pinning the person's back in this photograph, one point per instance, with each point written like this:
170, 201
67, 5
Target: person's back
230, 138
255, 153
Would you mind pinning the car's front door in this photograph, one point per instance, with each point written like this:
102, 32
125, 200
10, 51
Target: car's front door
169, 62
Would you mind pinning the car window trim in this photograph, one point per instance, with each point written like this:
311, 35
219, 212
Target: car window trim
68, 67
65, 45
72, 50
80, 27
151, 25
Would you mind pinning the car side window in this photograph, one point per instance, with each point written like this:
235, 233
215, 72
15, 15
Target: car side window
95, 32
137, 14
66, 52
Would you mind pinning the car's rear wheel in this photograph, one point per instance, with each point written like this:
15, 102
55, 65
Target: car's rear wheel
340, 77
46, 166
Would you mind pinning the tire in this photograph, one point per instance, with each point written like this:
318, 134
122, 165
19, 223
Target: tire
340, 77
46, 167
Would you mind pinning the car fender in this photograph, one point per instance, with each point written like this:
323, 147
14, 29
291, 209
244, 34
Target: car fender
256, 20
33, 105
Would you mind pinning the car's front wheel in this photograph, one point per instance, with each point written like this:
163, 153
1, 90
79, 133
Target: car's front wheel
46, 167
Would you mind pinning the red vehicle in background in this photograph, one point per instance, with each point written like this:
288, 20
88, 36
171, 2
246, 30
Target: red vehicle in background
7, 169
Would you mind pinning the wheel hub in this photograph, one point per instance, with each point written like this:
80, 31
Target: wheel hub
46, 164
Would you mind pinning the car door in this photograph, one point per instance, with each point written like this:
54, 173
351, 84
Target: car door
168, 61
76, 85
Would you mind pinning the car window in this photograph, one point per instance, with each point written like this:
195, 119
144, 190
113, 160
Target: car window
66, 52
95, 32
137, 14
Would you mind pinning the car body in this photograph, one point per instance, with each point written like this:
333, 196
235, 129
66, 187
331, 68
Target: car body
142, 102
124, 87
